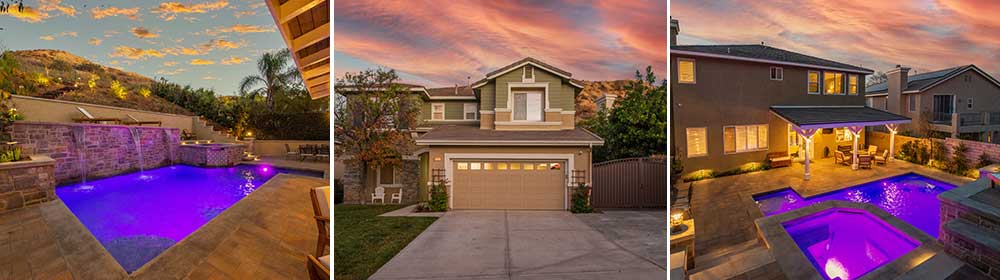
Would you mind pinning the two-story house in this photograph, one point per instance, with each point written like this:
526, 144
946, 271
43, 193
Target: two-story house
733, 105
507, 141
960, 102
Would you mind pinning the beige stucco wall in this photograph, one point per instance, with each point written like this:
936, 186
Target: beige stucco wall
50, 110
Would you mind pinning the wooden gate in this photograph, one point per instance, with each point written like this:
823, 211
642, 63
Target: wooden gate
630, 183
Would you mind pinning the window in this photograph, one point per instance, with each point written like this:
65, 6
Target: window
542, 166
913, 102
834, 83
852, 84
969, 104
386, 175
697, 143
529, 73
487, 166
844, 135
470, 111
868, 101
555, 166
437, 111
813, 80
529, 166
685, 71
501, 166
793, 136
777, 74
475, 166
463, 166
744, 138
527, 106
515, 166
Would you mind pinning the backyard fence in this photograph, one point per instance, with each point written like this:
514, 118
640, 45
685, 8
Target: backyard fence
630, 183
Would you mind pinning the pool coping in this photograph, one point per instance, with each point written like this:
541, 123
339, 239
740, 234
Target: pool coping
796, 265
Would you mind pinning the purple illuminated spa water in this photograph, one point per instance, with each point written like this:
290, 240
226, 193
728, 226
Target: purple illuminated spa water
910, 197
847, 243
138, 217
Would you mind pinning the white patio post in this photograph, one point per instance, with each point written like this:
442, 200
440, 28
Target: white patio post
892, 139
807, 135
855, 131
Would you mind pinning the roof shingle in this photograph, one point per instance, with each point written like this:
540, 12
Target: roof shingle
461, 133
767, 53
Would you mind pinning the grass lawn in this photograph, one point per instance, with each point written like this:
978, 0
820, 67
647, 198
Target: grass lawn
363, 242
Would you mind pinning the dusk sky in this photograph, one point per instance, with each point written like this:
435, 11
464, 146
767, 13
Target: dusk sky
925, 35
442, 45
204, 43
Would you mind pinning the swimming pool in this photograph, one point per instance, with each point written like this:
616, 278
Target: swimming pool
910, 197
138, 216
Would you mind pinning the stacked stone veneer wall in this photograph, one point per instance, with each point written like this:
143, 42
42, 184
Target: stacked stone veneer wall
212, 155
359, 191
24, 183
964, 248
107, 150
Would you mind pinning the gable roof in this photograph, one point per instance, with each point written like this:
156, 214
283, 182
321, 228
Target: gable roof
924, 81
525, 61
766, 54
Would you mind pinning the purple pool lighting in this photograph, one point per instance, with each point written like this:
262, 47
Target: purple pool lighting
910, 197
137, 217
847, 243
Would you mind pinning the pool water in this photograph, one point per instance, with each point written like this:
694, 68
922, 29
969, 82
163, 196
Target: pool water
910, 197
138, 216
847, 243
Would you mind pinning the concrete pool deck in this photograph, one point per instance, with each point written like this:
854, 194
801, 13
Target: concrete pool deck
724, 210
265, 235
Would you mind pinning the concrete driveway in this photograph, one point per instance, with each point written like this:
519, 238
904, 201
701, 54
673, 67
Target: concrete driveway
515, 245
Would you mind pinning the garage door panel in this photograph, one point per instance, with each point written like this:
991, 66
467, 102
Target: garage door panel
508, 185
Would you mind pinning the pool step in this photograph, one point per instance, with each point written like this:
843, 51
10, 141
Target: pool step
734, 265
720, 256
939, 266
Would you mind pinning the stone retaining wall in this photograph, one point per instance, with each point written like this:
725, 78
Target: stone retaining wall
106, 150
963, 247
24, 183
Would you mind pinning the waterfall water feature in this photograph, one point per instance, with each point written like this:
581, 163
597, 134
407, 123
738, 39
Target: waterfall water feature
78, 142
137, 138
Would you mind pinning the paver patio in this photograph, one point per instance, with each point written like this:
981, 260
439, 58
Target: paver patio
515, 245
265, 235
724, 210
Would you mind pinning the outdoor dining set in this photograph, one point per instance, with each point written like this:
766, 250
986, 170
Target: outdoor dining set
866, 158
308, 151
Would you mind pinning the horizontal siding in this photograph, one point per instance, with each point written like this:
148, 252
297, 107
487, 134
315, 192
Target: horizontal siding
488, 96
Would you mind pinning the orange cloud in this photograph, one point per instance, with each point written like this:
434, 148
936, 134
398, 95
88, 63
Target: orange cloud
170, 10
99, 13
54, 5
205, 48
199, 61
239, 14
141, 32
233, 60
170, 63
95, 41
28, 15
238, 28
210, 77
135, 53
171, 72
47, 37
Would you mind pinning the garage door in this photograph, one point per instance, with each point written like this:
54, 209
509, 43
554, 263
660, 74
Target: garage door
508, 184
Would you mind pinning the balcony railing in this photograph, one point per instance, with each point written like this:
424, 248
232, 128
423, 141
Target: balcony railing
941, 118
966, 119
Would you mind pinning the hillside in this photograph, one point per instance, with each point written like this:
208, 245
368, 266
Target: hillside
586, 106
60, 75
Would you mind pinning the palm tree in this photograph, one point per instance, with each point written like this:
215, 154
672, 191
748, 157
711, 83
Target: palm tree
274, 76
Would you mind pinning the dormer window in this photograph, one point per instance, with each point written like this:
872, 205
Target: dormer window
529, 74
527, 106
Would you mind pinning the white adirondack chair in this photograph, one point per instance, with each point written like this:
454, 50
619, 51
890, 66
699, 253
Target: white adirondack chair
379, 194
397, 197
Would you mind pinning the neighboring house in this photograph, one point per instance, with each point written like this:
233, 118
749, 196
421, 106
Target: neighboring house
508, 141
961, 102
734, 104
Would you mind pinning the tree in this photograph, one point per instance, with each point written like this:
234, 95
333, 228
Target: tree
275, 77
372, 117
877, 78
637, 126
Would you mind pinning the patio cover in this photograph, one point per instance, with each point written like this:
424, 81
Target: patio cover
807, 120
809, 117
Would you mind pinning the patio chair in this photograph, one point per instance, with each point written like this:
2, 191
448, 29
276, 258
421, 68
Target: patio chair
872, 149
306, 151
839, 157
289, 152
323, 152
135, 121
378, 194
321, 210
864, 161
397, 197
319, 268
89, 118
882, 158
779, 159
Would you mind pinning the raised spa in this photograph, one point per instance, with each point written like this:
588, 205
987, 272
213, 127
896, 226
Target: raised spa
844, 243
910, 197
137, 216
217, 154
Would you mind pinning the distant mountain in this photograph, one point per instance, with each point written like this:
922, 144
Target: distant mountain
586, 101
60, 75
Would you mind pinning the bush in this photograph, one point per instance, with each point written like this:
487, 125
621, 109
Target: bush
984, 160
707, 174
60, 65
581, 200
959, 164
439, 197
291, 126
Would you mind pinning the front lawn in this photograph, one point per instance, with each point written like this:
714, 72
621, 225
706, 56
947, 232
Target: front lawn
363, 242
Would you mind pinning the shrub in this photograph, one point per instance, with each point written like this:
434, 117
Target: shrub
144, 92
581, 200
745, 168
959, 164
984, 160
938, 155
118, 90
439, 197
60, 65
